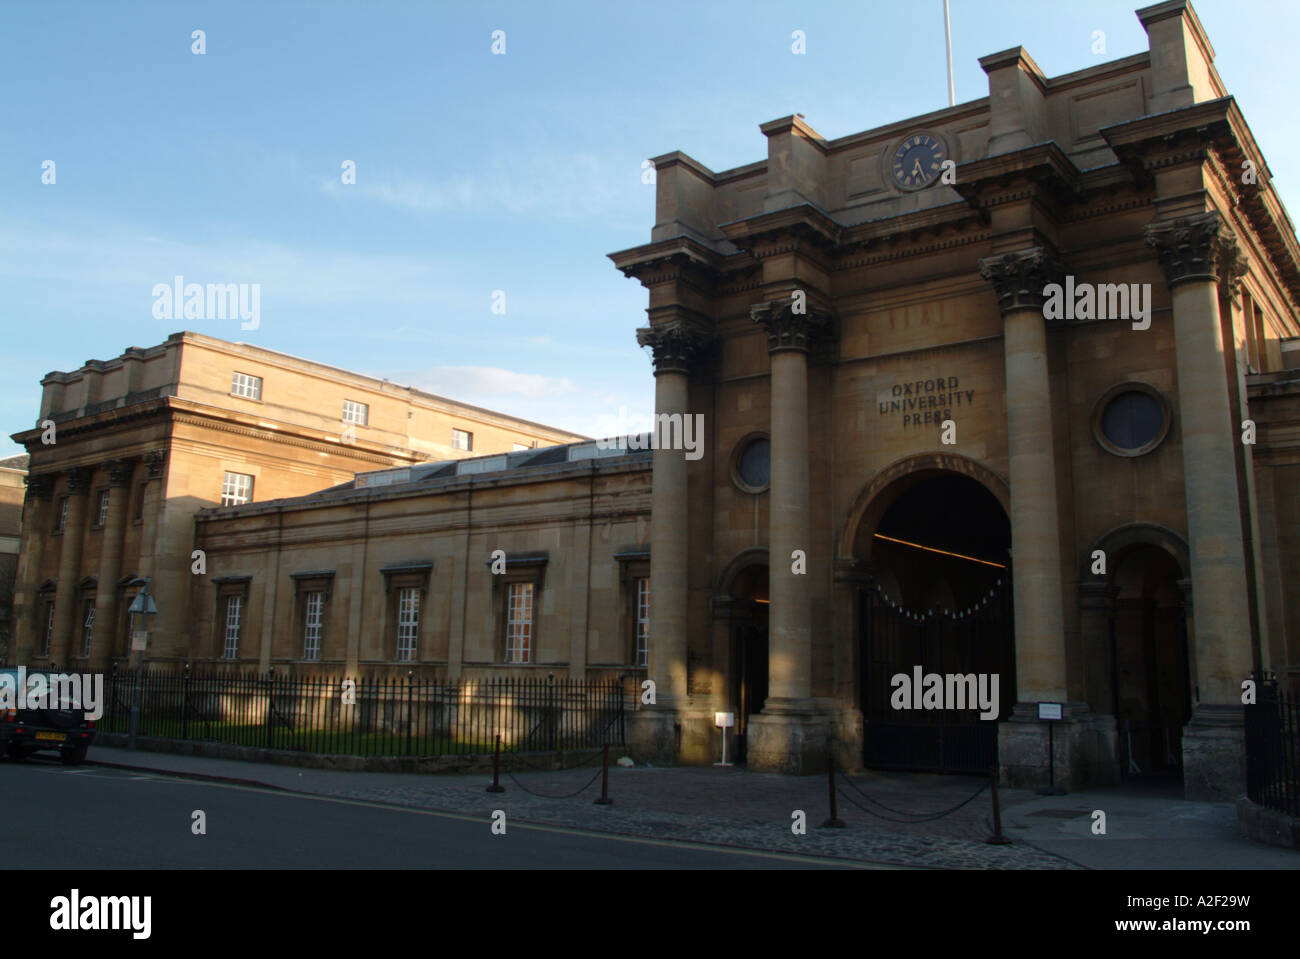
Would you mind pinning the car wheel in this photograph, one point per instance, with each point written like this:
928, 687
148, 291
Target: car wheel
74, 756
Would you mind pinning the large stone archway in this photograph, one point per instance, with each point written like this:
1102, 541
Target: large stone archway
883, 488
928, 541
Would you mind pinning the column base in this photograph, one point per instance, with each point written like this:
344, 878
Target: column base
1082, 746
1214, 753
666, 735
789, 736
652, 735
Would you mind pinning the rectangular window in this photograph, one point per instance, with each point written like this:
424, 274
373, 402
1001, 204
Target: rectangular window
249, 387
358, 413
49, 629
462, 440
87, 629
230, 646
63, 516
236, 489
643, 621
102, 515
519, 623
408, 623
313, 618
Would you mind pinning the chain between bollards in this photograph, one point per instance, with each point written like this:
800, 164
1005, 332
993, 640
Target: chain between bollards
496, 786
997, 839
604, 799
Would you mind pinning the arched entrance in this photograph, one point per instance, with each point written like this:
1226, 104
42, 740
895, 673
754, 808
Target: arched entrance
1150, 679
749, 646
937, 545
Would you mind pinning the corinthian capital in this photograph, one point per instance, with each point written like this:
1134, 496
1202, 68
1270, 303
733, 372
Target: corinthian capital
40, 486
1199, 247
78, 481
676, 345
790, 330
1020, 277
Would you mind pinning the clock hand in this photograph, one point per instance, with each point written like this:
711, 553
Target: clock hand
917, 171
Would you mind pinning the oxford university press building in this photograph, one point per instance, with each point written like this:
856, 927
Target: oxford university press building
921, 457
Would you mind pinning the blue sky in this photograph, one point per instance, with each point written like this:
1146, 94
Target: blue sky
475, 172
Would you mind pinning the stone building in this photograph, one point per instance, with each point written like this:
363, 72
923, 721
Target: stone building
13, 471
129, 449
1008, 391
915, 444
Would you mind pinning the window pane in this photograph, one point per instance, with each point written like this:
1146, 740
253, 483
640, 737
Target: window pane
755, 464
234, 608
643, 622
1132, 420
249, 387
519, 623
236, 489
408, 623
312, 623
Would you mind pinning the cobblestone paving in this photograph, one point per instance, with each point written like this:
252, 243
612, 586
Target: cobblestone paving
732, 807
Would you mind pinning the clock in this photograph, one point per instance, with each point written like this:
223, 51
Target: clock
918, 161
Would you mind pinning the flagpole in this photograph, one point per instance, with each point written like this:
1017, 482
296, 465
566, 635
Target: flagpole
947, 38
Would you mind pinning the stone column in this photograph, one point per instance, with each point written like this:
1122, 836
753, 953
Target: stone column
655, 732
1196, 251
110, 561
1019, 279
74, 534
37, 520
790, 734
154, 460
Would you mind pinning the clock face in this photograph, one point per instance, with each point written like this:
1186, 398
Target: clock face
918, 161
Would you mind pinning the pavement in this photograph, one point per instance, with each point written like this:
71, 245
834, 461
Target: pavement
1146, 827
130, 819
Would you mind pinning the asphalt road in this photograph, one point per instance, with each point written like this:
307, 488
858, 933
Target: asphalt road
53, 816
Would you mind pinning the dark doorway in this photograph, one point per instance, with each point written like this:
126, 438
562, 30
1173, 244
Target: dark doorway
749, 649
1151, 680
941, 601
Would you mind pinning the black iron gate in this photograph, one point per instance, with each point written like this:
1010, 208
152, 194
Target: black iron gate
977, 640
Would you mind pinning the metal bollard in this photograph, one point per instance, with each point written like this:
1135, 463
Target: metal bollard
496, 786
604, 799
997, 839
834, 822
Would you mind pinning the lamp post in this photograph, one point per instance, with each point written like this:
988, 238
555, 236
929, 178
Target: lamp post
143, 607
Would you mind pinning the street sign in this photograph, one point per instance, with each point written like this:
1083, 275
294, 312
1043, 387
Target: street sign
1049, 710
143, 603
725, 720
138, 640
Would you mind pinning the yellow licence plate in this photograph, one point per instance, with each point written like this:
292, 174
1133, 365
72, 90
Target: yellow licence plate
55, 737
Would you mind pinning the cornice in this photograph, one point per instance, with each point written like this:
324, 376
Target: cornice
803, 227
1038, 171
676, 258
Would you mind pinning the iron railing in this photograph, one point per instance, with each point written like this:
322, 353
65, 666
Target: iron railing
370, 716
1273, 749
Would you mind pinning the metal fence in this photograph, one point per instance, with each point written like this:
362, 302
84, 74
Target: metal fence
1273, 749
370, 717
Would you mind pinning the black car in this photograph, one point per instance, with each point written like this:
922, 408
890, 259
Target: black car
64, 730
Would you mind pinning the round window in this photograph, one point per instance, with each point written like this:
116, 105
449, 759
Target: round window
1132, 420
754, 464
